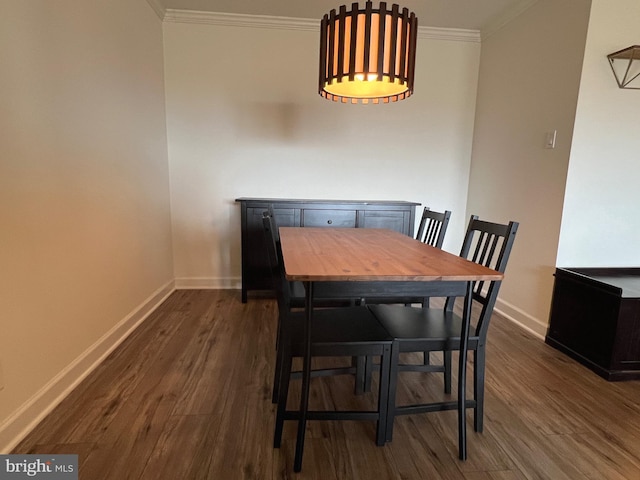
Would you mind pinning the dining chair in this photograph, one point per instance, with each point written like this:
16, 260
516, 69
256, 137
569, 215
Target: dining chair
433, 227
335, 332
295, 288
439, 329
431, 230
294, 293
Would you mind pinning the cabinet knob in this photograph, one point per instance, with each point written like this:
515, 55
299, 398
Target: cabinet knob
329, 222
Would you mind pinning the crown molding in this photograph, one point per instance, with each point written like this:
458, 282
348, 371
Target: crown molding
157, 7
302, 24
451, 34
501, 20
240, 20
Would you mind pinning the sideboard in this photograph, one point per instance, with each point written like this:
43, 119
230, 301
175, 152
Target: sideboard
595, 319
394, 215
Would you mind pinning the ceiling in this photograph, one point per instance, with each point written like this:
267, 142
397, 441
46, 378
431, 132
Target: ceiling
466, 14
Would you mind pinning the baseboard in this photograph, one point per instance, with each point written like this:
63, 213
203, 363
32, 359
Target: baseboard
521, 318
208, 283
32, 412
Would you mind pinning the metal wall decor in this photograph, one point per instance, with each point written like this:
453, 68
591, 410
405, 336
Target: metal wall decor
367, 54
626, 67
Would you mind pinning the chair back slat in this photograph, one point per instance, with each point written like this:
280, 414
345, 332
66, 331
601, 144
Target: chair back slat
433, 227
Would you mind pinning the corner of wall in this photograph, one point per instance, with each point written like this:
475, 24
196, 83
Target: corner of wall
497, 23
158, 8
525, 321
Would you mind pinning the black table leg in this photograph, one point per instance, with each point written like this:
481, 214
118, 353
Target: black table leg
306, 378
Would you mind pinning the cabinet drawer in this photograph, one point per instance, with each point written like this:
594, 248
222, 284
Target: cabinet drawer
328, 218
285, 217
392, 219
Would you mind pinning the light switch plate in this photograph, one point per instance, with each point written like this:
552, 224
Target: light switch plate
550, 139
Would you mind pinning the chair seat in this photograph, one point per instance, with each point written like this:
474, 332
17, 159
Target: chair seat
333, 329
439, 327
349, 331
423, 323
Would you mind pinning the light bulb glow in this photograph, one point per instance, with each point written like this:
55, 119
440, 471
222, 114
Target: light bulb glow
371, 88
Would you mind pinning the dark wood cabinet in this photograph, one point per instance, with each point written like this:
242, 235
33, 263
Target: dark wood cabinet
394, 215
595, 319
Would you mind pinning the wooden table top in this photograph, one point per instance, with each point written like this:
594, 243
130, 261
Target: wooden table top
370, 254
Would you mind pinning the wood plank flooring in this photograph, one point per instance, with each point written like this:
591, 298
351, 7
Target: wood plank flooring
187, 396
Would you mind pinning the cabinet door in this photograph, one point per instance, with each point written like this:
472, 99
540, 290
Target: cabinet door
397, 220
626, 351
583, 319
328, 218
254, 254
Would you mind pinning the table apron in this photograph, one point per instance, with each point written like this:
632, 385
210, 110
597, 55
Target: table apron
391, 289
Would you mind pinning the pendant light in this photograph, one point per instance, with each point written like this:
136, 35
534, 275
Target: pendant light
367, 55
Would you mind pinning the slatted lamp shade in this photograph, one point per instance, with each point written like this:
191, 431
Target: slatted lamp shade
367, 54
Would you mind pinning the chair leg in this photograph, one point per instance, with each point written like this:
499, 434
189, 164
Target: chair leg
383, 395
278, 331
427, 361
462, 374
425, 304
368, 372
360, 377
278, 368
447, 371
393, 385
478, 388
277, 376
283, 393
462, 410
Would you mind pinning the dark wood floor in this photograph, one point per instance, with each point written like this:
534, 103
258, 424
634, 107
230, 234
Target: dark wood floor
187, 396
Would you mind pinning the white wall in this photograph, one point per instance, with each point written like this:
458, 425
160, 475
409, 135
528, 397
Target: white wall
600, 222
528, 85
85, 234
245, 119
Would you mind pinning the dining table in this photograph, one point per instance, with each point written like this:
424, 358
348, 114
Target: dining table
376, 263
